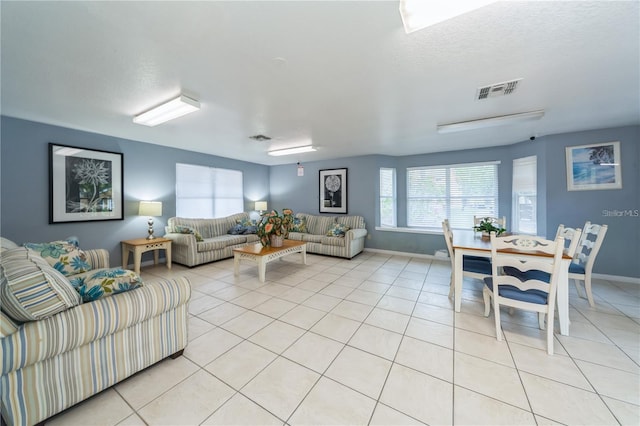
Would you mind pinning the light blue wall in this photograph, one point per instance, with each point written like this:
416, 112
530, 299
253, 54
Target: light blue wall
620, 251
149, 174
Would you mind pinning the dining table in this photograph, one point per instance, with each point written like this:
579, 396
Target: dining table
470, 243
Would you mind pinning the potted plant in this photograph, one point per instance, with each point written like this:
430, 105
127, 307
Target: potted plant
488, 225
273, 228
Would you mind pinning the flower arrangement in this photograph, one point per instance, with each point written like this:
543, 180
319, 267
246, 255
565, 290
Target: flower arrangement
488, 225
272, 223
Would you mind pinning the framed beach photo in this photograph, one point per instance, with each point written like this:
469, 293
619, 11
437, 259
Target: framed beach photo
84, 184
595, 166
333, 191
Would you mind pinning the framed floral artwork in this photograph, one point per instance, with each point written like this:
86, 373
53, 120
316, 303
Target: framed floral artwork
595, 166
333, 191
84, 184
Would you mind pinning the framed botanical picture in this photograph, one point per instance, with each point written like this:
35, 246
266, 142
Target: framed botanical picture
84, 184
595, 166
333, 191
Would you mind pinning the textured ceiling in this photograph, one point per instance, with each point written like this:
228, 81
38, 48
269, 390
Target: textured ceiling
342, 74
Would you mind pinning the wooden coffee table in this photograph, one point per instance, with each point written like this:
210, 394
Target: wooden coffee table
262, 255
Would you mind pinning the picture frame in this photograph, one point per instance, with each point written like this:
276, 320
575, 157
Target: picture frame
333, 191
84, 184
593, 167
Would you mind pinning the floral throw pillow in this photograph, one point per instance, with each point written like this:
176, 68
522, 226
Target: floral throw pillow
105, 282
337, 230
64, 256
299, 225
188, 230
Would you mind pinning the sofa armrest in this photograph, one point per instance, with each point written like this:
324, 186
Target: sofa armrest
97, 258
354, 234
75, 327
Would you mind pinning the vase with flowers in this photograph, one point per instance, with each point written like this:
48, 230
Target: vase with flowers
273, 227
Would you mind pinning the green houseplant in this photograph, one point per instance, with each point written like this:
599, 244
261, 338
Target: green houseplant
488, 225
272, 223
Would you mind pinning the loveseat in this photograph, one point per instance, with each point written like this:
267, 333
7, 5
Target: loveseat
198, 241
341, 236
57, 350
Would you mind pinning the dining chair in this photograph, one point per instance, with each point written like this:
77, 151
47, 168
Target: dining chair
585, 256
524, 291
500, 221
472, 266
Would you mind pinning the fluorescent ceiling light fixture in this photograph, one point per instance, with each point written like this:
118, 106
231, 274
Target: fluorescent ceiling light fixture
296, 150
419, 14
168, 111
501, 120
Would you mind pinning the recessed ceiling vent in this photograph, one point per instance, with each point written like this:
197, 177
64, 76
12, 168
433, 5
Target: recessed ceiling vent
260, 138
498, 89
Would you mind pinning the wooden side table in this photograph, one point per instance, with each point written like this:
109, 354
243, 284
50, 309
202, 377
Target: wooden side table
141, 245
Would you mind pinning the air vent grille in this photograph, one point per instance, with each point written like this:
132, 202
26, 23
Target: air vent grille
498, 89
260, 138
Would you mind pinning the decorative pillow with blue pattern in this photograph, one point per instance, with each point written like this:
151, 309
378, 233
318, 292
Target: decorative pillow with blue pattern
64, 256
105, 282
337, 230
244, 227
180, 229
299, 225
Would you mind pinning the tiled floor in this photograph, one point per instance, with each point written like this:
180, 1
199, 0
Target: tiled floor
374, 340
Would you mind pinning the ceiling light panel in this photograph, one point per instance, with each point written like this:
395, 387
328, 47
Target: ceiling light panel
175, 108
289, 151
501, 120
419, 14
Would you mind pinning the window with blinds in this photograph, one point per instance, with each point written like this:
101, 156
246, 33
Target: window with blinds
207, 192
387, 197
525, 193
456, 192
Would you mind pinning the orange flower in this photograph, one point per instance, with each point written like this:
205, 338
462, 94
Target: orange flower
268, 227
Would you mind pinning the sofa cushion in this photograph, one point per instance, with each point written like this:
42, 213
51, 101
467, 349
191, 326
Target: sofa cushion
30, 289
64, 256
221, 242
95, 285
337, 230
6, 244
312, 238
333, 241
181, 229
296, 236
319, 225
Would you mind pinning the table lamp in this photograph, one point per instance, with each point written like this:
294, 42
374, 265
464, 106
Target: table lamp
151, 209
261, 206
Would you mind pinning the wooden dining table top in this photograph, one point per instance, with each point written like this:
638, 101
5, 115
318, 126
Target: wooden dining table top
470, 240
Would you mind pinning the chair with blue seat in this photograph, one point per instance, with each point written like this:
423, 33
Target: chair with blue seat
522, 290
472, 266
585, 256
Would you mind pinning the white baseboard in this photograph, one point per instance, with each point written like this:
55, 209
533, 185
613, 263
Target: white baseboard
605, 277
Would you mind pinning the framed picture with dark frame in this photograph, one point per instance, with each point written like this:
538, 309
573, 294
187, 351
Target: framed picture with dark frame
84, 184
333, 191
595, 166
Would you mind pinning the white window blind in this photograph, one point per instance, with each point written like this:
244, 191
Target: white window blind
525, 192
456, 192
387, 197
208, 192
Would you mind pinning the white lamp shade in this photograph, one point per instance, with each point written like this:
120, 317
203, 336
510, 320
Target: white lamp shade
150, 208
261, 205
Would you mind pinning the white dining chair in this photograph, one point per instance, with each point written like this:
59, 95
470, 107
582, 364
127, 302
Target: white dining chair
472, 266
585, 256
525, 291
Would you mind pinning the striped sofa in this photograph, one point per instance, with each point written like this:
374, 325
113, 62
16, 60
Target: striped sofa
319, 242
215, 242
50, 364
